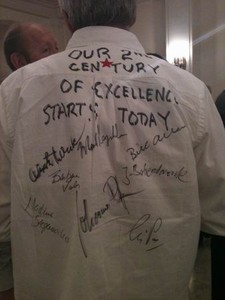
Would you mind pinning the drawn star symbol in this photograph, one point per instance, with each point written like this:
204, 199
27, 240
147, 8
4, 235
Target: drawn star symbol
106, 63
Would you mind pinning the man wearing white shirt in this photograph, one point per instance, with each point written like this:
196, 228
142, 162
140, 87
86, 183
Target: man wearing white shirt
116, 163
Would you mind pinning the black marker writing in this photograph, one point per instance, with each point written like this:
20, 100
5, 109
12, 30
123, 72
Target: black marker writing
68, 180
42, 219
93, 109
135, 152
53, 157
112, 188
33, 207
86, 223
145, 232
85, 67
141, 118
129, 55
66, 86
46, 226
87, 53
57, 111
89, 144
148, 170
159, 138
82, 145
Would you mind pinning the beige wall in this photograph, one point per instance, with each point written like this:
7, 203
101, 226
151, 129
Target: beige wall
179, 31
150, 26
209, 43
13, 11
208, 33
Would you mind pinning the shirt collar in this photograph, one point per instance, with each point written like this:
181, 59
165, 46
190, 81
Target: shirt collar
93, 35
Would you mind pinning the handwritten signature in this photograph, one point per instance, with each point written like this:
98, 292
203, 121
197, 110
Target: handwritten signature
44, 220
112, 188
69, 180
147, 170
159, 138
135, 152
86, 222
33, 207
145, 232
83, 145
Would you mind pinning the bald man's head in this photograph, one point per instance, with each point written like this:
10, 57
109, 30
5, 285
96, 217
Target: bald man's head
25, 43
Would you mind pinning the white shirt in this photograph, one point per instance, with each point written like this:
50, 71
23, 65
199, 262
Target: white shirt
116, 157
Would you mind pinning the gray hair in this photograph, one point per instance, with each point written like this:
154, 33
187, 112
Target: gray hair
82, 13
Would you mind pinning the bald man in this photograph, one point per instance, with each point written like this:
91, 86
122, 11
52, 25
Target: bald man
25, 43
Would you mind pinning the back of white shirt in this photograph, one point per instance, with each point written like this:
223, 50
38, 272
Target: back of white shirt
115, 155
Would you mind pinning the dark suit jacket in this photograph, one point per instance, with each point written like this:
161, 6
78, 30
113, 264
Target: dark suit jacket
220, 104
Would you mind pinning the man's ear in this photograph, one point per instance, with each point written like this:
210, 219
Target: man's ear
18, 60
68, 24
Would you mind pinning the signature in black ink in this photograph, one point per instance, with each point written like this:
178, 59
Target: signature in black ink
56, 156
99, 139
147, 170
159, 138
112, 188
33, 207
41, 218
145, 231
86, 223
47, 226
69, 180
53, 157
134, 153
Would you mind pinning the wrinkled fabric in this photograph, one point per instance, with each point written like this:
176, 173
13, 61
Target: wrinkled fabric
117, 160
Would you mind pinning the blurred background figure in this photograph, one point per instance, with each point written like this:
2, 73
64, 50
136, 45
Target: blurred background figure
25, 43
220, 104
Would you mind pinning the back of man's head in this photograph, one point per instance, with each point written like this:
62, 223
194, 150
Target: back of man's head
27, 42
13, 43
82, 13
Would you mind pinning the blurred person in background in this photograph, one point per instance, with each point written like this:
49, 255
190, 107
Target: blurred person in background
25, 43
